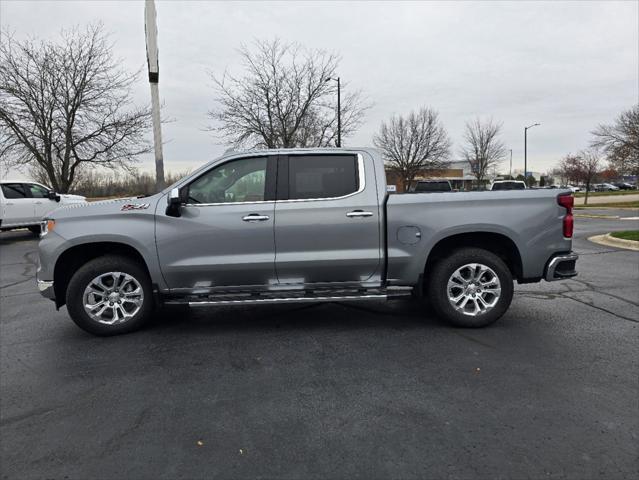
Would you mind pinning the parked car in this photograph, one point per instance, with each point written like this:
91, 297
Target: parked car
508, 185
605, 187
572, 188
23, 204
625, 186
424, 186
301, 225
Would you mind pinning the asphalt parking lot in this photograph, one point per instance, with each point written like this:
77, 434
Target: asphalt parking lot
330, 391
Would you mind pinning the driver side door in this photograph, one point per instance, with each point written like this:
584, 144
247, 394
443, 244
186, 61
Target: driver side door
224, 235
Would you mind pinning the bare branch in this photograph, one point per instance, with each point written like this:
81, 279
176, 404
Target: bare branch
66, 105
483, 149
620, 141
283, 99
413, 144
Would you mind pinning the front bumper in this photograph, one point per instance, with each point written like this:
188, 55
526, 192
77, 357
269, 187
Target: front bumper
561, 267
46, 288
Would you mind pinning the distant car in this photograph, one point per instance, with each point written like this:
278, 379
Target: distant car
572, 188
424, 186
508, 185
606, 187
625, 186
23, 204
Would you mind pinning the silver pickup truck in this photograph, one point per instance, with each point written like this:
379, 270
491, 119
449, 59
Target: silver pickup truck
305, 225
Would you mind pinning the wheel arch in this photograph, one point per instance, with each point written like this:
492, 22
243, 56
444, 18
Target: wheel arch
498, 243
69, 261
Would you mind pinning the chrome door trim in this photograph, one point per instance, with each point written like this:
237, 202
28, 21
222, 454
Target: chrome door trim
257, 202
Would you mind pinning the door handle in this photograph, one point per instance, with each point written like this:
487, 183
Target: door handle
359, 213
38, 203
255, 217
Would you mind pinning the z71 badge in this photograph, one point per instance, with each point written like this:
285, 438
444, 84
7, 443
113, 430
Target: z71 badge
134, 206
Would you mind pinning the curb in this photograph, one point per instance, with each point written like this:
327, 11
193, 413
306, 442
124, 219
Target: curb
611, 241
594, 215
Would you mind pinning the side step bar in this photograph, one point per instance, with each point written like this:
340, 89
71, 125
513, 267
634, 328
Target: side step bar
289, 297
249, 301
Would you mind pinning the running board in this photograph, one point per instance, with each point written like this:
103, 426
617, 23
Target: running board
289, 297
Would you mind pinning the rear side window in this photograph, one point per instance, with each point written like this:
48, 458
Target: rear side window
13, 190
322, 176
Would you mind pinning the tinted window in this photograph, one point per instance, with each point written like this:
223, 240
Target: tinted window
13, 190
322, 176
509, 186
37, 191
235, 181
433, 187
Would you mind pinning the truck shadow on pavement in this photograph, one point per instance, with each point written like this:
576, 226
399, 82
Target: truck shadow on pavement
395, 315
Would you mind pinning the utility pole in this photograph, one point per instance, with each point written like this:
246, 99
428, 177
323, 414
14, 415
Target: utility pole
526, 150
339, 110
151, 30
510, 172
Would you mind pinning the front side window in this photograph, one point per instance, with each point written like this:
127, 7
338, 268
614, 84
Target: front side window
37, 191
242, 180
13, 191
322, 176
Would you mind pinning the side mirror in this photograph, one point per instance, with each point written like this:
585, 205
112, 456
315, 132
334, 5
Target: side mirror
174, 202
51, 195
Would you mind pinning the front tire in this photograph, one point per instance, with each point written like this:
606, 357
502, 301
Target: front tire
110, 295
471, 287
35, 229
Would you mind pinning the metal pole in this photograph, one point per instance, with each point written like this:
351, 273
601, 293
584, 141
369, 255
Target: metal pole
339, 115
510, 172
154, 79
525, 152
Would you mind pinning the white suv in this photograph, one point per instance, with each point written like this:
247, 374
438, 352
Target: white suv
23, 204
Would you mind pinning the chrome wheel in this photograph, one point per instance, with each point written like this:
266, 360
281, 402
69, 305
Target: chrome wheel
112, 298
473, 289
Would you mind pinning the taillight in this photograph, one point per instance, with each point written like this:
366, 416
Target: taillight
567, 201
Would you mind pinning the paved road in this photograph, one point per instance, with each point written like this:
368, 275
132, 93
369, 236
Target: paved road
330, 390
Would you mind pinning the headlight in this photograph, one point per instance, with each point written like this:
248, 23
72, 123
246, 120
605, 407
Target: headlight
48, 224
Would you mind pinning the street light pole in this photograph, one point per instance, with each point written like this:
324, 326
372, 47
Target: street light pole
339, 110
526, 150
151, 31
510, 172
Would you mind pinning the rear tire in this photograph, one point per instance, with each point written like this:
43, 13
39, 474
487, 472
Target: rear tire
470, 288
110, 295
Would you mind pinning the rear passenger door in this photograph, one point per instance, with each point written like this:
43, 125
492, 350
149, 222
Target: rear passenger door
326, 219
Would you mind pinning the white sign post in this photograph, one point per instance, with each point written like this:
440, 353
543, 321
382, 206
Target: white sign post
151, 29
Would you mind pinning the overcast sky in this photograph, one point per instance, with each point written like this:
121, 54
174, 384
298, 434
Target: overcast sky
566, 65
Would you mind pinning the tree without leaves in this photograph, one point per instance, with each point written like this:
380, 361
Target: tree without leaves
483, 149
413, 144
66, 106
283, 99
582, 168
620, 141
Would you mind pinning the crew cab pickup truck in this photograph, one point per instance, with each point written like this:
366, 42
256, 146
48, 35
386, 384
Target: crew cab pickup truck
303, 225
24, 204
